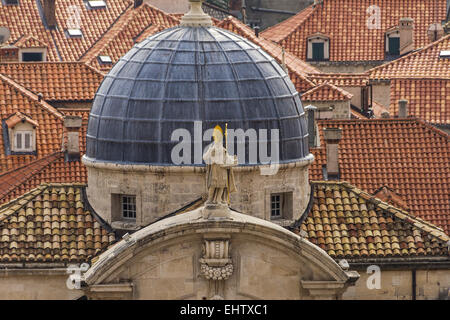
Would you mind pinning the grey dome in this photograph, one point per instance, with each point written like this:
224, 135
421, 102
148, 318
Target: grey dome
183, 75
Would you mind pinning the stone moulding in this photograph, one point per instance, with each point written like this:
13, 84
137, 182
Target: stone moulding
91, 163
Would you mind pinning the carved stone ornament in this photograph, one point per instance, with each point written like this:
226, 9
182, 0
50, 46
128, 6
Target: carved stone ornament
216, 263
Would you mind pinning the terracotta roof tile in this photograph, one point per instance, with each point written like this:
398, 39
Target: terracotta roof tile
50, 224
143, 21
326, 92
423, 64
406, 155
428, 99
348, 223
25, 19
13, 179
341, 79
345, 23
56, 81
16, 98
29, 42
298, 69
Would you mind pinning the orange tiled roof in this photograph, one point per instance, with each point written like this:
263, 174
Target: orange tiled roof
390, 196
25, 19
57, 171
406, 155
145, 20
56, 81
29, 42
428, 99
16, 98
326, 92
51, 224
345, 23
423, 64
349, 223
12, 179
341, 79
298, 69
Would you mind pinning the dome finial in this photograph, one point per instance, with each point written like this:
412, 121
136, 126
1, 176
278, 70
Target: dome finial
196, 17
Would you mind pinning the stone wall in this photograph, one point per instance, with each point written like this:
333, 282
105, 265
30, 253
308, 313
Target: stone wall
381, 93
162, 190
340, 109
397, 285
268, 19
35, 285
343, 67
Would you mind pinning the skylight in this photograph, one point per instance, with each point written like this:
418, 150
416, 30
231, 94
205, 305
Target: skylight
445, 54
74, 33
97, 4
104, 59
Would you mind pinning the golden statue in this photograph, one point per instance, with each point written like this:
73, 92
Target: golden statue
219, 174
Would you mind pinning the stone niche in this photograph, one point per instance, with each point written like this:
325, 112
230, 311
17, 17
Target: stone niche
162, 190
239, 257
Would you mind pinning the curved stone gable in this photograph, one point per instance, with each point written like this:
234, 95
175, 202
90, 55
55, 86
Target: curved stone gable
241, 257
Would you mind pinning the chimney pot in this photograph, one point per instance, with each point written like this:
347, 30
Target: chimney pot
49, 13
332, 136
137, 3
73, 125
311, 113
402, 108
406, 29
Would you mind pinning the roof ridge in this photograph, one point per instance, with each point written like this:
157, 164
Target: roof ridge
46, 162
84, 57
332, 86
9, 208
27, 164
269, 31
399, 213
409, 55
30, 95
260, 41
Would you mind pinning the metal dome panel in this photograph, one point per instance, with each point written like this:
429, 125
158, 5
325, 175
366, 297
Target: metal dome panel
183, 75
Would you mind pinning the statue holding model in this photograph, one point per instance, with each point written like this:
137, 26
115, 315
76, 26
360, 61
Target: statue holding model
219, 173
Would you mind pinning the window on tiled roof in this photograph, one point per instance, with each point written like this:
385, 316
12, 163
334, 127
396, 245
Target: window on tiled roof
104, 59
318, 48
444, 54
393, 43
19, 134
96, 4
74, 33
32, 56
10, 2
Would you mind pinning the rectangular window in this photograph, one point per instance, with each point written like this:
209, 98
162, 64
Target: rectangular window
23, 141
318, 51
32, 56
128, 205
276, 205
394, 46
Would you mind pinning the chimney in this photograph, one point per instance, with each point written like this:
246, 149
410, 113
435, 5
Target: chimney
332, 137
406, 29
257, 31
435, 32
137, 3
49, 13
311, 114
403, 108
73, 125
